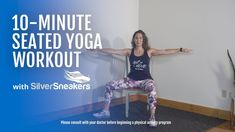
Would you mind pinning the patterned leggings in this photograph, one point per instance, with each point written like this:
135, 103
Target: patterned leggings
147, 85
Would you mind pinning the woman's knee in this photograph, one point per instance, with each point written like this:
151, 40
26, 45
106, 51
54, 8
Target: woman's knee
109, 86
150, 86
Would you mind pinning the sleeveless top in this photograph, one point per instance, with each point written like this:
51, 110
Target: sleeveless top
139, 66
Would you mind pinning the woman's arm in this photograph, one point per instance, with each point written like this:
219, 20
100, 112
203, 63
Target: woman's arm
155, 52
121, 52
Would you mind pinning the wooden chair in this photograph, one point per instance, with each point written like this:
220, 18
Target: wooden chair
130, 91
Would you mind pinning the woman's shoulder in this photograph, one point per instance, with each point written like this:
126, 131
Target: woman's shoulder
128, 50
150, 51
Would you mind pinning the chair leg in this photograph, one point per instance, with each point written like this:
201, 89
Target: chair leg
147, 104
127, 104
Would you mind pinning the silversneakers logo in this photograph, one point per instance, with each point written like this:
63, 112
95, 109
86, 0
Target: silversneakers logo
76, 76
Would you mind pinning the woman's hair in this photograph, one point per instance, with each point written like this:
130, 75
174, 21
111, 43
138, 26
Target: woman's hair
145, 40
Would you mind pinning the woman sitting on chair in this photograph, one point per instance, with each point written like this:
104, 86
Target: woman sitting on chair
139, 76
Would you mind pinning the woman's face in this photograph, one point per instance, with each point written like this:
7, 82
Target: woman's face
138, 39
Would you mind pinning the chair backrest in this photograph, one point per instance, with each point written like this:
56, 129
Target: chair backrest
126, 65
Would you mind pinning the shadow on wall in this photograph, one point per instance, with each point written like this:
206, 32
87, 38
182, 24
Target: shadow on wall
109, 67
118, 64
225, 84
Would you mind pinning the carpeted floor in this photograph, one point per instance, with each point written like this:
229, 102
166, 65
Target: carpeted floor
175, 121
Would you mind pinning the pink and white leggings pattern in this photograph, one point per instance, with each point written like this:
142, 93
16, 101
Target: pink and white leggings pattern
147, 85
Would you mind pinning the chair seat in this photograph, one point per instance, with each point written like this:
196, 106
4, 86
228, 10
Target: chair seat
134, 90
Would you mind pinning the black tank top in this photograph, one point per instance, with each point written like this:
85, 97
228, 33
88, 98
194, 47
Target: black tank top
139, 66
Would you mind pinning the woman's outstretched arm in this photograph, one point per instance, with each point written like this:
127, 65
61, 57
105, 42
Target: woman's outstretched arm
155, 52
121, 52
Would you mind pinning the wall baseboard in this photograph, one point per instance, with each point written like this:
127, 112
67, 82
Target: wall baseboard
211, 112
207, 111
